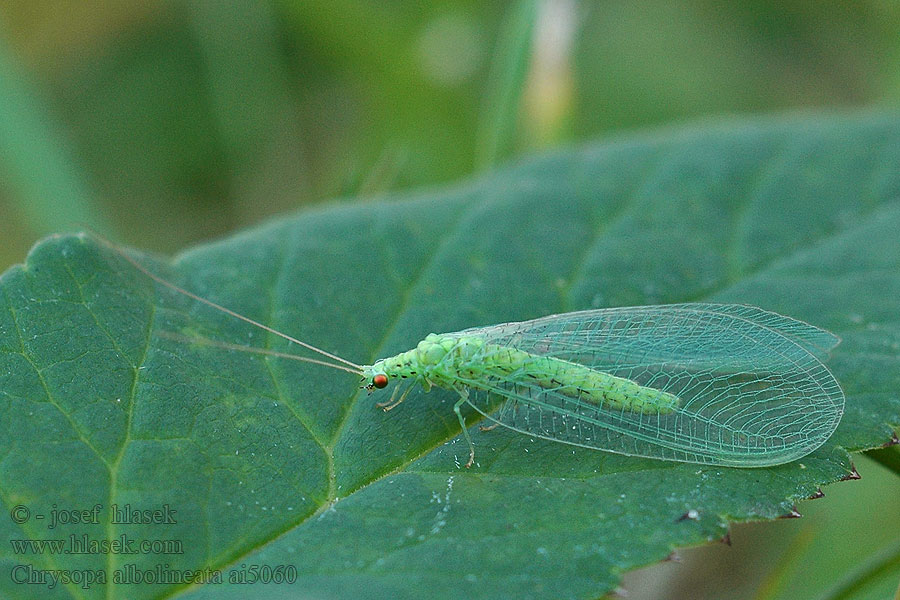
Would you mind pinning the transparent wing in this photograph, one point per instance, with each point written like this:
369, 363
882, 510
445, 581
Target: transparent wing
752, 388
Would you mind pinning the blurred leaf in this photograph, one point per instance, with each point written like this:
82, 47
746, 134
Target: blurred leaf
248, 88
877, 578
140, 117
45, 182
272, 463
502, 102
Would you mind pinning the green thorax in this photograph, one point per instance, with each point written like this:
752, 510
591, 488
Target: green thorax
436, 360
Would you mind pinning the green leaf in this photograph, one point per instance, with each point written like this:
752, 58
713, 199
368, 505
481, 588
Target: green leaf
269, 463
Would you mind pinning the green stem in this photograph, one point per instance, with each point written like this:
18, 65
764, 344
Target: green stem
881, 566
47, 185
506, 84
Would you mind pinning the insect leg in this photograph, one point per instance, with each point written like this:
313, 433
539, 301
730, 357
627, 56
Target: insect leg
515, 407
390, 403
463, 398
401, 399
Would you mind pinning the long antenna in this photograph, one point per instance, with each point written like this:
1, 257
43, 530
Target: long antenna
227, 311
215, 343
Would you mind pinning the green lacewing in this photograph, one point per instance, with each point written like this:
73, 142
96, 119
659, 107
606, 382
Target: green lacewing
718, 384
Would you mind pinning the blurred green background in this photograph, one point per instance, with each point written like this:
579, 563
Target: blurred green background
162, 123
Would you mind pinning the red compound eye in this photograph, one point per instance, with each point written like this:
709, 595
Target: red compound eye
380, 381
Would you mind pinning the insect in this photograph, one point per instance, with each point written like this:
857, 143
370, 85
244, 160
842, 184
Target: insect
721, 384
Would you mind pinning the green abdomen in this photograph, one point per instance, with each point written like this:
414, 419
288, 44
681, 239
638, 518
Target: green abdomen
576, 381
